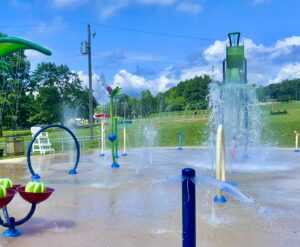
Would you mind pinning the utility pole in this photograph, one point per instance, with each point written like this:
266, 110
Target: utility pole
91, 113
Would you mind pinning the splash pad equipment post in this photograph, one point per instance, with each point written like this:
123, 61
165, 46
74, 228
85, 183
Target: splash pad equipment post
124, 140
116, 143
35, 176
220, 163
113, 136
188, 208
124, 123
180, 140
296, 142
102, 137
103, 118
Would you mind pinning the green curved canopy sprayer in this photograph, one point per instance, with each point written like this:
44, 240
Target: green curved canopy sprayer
9, 45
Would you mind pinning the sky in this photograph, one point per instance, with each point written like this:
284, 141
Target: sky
154, 44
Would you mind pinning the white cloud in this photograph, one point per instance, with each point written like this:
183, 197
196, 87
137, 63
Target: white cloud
192, 72
108, 9
290, 41
191, 8
258, 78
131, 84
165, 80
285, 46
85, 79
99, 91
215, 52
35, 57
289, 71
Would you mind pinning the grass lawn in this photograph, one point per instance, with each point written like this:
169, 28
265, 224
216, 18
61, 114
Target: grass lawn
279, 129
163, 129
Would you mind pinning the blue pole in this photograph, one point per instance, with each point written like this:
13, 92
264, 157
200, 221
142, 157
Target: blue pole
180, 140
188, 208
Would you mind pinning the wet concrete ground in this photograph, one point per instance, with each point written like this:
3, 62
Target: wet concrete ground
137, 206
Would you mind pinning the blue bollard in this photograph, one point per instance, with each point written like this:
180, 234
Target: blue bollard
180, 140
188, 208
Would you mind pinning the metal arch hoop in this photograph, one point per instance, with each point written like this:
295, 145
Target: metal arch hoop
73, 171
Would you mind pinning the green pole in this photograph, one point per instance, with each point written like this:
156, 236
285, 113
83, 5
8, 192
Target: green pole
117, 139
112, 128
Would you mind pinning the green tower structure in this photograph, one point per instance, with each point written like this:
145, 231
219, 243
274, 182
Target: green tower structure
235, 63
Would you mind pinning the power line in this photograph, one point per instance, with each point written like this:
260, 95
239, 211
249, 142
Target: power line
154, 33
128, 29
41, 25
111, 27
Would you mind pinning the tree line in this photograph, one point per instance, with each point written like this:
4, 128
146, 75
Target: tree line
190, 93
284, 91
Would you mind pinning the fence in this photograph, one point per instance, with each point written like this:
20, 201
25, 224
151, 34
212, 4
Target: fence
64, 144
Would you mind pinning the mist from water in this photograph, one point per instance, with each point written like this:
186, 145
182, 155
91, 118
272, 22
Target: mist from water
229, 105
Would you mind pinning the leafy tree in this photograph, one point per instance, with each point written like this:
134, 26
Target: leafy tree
148, 103
284, 91
14, 77
57, 83
47, 106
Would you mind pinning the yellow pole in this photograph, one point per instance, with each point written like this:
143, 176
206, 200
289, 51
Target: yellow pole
297, 139
124, 135
220, 157
102, 135
223, 161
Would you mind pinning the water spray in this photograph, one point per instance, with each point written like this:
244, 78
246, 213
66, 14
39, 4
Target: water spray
235, 72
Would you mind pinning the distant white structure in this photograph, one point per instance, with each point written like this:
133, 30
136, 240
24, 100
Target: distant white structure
42, 143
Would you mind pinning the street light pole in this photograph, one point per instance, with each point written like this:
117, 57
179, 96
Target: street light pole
91, 114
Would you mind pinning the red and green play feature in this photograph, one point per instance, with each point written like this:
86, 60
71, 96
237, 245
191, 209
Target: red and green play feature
34, 192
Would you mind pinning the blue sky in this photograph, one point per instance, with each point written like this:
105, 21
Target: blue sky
153, 44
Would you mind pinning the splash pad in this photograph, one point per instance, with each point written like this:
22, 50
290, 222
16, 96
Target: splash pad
144, 205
